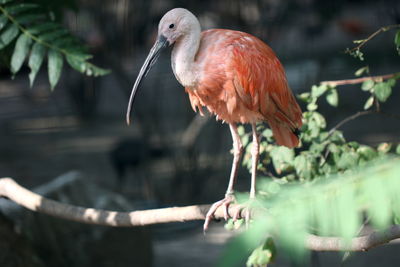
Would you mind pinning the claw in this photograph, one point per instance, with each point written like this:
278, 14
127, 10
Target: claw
225, 203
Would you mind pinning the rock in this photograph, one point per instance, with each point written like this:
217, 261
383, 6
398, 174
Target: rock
16, 250
65, 243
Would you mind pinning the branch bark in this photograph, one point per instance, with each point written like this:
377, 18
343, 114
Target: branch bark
362, 243
32, 201
361, 80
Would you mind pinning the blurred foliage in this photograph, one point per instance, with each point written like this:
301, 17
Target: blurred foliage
326, 207
29, 31
326, 186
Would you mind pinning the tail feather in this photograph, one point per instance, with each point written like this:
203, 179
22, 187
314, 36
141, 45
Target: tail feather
284, 136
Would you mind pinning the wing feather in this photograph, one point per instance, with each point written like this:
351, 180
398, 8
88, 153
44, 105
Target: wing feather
260, 81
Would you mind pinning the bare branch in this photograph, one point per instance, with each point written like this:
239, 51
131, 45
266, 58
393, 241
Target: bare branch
361, 80
362, 243
363, 42
30, 200
11, 190
350, 118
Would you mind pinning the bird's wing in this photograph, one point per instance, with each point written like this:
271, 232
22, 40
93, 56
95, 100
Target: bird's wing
260, 80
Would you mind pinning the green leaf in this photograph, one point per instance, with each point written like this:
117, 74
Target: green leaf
382, 91
72, 46
239, 247
332, 97
398, 149
21, 7
349, 219
29, 18
282, 158
312, 106
397, 41
97, 71
20, 52
367, 85
76, 63
3, 21
267, 133
52, 35
35, 61
378, 204
54, 67
391, 82
317, 91
348, 160
384, 148
8, 35
362, 70
369, 102
43, 27
366, 152
262, 255
306, 97
303, 166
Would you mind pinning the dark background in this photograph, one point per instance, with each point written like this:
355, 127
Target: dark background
168, 156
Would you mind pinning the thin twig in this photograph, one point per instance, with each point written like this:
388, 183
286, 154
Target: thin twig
390, 115
359, 114
382, 29
350, 118
361, 80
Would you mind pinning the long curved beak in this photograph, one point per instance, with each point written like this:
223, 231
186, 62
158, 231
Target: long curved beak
147, 65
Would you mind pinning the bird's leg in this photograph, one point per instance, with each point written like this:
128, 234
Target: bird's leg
237, 154
255, 153
229, 198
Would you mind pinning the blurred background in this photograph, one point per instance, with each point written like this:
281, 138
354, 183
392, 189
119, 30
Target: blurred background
73, 144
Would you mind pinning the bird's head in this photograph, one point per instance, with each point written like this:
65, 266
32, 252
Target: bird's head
175, 24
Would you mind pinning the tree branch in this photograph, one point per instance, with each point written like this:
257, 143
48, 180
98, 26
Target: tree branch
32, 201
362, 243
20, 195
360, 80
364, 41
350, 118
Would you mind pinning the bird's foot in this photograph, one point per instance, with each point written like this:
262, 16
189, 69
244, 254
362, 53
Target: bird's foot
226, 202
244, 211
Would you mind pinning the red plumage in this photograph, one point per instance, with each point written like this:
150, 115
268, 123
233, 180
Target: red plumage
242, 80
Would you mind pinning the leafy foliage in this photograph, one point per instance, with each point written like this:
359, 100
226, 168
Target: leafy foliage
322, 152
326, 186
31, 31
328, 207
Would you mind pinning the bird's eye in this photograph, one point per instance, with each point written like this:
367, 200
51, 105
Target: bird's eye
171, 26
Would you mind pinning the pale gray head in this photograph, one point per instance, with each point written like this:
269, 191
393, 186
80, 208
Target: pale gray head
177, 23
174, 25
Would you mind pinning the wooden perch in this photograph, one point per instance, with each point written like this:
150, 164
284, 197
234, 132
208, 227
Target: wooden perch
30, 200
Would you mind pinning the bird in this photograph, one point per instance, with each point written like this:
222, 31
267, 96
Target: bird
236, 77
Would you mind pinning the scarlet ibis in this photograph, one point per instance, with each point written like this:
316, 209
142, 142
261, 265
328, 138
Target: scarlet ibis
236, 76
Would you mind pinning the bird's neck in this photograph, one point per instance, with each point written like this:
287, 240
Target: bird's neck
183, 58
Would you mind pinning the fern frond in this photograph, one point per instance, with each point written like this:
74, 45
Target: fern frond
38, 37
